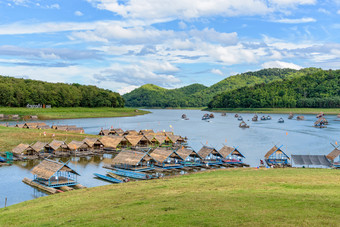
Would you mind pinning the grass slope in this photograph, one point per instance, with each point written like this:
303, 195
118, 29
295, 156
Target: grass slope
73, 112
231, 197
11, 137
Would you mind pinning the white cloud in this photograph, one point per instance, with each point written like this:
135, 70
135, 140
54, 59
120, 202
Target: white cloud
295, 21
210, 35
127, 89
338, 12
292, 2
54, 6
280, 64
217, 71
78, 13
182, 25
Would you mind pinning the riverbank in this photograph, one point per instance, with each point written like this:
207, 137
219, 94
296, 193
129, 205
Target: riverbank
233, 197
11, 137
73, 112
278, 110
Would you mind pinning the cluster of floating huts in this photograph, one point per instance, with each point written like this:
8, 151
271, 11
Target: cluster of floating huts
9, 117
42, 125
110, 142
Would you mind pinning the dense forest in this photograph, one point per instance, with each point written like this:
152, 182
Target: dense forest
198, 95
150, 95
317, 89
20, 92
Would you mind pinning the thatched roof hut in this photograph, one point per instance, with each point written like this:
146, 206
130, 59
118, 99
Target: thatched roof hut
300, 118
39, 146
172, 138
93, 143
145, 131
63, 127
188, 154
333, 155
132, 158
131, 132
34, 124
276, 156
160, 139
209, 153
43, 127
165, 156
56, 145
23, 149
227, 152
117, 131
111, 141
19, 125
104, 132
133, 139
77, 145
76, 130
54, 174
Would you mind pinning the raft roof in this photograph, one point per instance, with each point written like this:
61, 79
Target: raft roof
160, 138
205, 151
185, 152
133, 139
275, 149
335, 153
146, 131
161, 154
104, 132
225, 151
47, 168
74, 145
132, 158
172, 137
91, 141
111, 141
21, 148
38, 146
34, 124
56, 144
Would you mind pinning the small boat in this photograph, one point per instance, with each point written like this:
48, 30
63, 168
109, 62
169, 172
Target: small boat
320, 115
211, 115
300, 118
268, 117
263, 118
111, 179
131, 174
2, 159
281, 120
223, 114
184, 116
240, 118
236, 115
243, 125
255, 118
291, 115
205, 117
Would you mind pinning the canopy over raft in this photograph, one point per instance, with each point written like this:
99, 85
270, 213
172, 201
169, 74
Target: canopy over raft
54, 174
276, 157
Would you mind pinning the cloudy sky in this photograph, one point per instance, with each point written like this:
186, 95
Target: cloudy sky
123, 44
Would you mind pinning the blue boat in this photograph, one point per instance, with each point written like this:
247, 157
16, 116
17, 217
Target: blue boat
131, 174
111, 179
2, 159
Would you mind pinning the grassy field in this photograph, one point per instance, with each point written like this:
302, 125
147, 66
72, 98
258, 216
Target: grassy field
278, 110
73, 112
11, 137
230, 197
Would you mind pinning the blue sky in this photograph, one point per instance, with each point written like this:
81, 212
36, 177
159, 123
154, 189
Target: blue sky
121, 45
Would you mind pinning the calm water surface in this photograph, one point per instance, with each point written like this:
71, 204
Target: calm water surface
297, 137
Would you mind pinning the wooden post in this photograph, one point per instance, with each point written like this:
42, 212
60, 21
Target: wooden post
5, 202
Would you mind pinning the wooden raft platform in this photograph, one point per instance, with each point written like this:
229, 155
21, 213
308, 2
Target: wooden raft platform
39, 186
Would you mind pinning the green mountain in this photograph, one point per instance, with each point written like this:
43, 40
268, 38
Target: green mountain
315, 89
150, 95
198, 95
20, 92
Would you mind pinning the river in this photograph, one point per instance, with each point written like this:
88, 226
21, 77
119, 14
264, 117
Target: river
297, 137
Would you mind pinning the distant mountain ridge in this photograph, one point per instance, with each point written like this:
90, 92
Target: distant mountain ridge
198, 95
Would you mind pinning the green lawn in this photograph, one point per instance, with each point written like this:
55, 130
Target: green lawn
73, 112
230, 197
279, 110
11, 137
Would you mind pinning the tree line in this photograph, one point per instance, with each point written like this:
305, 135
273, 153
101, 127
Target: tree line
319, 88
16, 92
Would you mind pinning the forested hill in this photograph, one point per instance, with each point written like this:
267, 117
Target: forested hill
197, 95
20, 92
150, 95
320, 89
